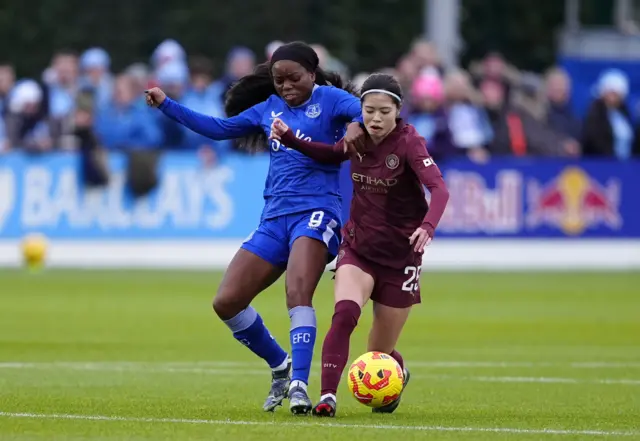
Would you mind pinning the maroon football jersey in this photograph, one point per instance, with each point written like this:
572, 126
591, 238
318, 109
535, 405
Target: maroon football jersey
388, 202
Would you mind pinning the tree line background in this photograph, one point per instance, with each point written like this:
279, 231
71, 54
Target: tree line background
366, 34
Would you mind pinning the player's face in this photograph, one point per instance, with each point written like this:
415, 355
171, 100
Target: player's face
379, 112
293, 82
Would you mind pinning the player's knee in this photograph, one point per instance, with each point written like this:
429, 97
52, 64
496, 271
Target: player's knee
219, 307
299, 297
346, 314
225, 306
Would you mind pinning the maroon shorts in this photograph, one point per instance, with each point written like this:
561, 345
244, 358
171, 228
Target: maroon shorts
396, 288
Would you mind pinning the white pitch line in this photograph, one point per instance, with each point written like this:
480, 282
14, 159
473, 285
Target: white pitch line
131, 367
526, 364
176, 368
277, 424
234, 364
548, 380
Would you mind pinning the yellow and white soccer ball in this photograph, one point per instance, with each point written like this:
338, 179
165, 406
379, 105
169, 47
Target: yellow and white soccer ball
375, 379
34, 250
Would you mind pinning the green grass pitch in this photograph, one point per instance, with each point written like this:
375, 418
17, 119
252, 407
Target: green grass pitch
140, 356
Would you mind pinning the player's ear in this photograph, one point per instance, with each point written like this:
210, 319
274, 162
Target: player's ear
398, 112
313, 77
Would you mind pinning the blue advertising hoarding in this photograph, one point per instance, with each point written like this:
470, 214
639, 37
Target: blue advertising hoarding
508, 198
44, 194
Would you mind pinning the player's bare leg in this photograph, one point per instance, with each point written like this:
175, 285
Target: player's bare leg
246, 277
385, 332
307, 261
352, 291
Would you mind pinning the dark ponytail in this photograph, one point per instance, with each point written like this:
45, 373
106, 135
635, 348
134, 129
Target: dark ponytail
258, 87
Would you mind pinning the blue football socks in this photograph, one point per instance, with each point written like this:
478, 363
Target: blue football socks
249, 329
303, 338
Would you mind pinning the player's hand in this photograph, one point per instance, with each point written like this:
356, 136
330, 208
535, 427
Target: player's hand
420, 239
354, 139
278, 129
155, 96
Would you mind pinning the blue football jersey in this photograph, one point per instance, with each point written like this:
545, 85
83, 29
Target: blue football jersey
295, 183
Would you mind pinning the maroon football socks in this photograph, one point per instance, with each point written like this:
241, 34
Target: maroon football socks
397, 357
335, 350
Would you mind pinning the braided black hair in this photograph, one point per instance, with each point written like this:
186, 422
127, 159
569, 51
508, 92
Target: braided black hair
258, 87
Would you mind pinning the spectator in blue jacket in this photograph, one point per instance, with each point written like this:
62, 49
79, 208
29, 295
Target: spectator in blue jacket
94, 64
126, 124
173, 78
204, 96
62, 81
240, 62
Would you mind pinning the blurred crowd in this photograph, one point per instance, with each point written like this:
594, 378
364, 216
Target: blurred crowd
488, 110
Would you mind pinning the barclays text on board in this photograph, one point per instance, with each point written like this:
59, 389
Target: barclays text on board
505, 198
46, 195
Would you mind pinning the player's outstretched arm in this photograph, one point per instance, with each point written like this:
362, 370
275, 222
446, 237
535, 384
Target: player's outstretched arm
214, 128
323, 153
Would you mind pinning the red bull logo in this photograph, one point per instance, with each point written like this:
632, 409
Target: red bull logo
574, 202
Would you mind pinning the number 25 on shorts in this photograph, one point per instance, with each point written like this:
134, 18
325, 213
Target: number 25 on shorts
413, 282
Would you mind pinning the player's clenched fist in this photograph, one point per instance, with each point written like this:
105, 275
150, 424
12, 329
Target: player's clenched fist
354, 140
155, 96
278, 129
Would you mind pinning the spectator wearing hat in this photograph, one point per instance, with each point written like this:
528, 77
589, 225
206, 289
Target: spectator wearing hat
26, 126
429, 116
167, 52
608, 129
271, 48
94, 66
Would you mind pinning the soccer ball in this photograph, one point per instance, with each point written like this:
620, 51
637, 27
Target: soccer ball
34, 250
375, 379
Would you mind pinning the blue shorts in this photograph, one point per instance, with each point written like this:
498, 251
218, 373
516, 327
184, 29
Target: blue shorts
273, 239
